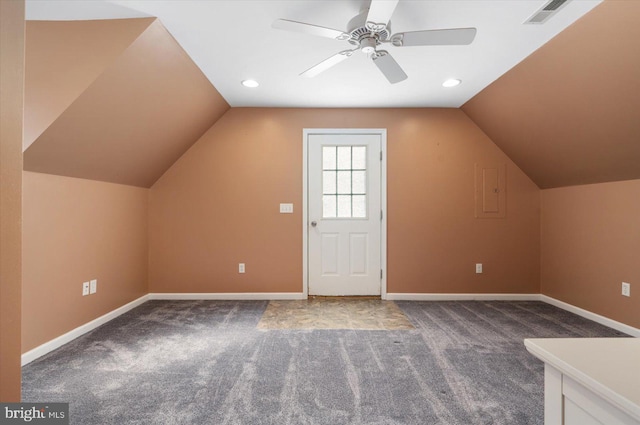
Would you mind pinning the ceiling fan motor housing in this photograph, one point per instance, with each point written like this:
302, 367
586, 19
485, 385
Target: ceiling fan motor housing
368, 45
367, 37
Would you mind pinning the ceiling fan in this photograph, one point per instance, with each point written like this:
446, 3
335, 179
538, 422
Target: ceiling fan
369, 30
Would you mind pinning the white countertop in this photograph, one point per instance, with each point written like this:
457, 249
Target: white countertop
610, 367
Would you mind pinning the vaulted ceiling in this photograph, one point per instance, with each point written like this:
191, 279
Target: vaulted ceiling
120, 100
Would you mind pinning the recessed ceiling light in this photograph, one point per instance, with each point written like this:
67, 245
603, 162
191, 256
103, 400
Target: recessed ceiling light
250, 83
452, 82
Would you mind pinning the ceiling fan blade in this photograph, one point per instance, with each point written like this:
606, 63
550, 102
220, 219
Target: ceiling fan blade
326, 64
287, 25
389, 67
448, 37
380, 11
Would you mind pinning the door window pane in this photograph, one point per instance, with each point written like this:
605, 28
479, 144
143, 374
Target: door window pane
358, 182
329, 182
359, 206
344, 157
329, 209
359, 158
344, 206
329, 157
344, 182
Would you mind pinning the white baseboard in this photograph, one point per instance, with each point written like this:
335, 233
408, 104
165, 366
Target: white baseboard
629, 330
47, 347
229, 296
462, 297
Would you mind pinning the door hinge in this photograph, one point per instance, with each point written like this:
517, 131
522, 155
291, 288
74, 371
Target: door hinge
381, 215
380, 273
380, 155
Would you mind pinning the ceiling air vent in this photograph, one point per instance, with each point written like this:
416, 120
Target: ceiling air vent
546, 11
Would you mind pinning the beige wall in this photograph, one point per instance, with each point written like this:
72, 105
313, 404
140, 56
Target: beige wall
568, 113
75, 230
590, 245
218, 206
11, 103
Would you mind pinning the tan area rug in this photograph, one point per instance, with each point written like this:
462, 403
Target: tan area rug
334, 313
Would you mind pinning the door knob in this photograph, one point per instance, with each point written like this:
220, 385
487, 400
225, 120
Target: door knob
314, 223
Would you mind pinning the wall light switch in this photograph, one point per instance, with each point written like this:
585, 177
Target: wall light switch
286, 208
478, 268
85, 288
93, 286
241, 268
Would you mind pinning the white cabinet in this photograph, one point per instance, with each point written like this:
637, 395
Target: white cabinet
583, 407
590, 381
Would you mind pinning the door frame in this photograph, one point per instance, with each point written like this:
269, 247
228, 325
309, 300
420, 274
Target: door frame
305, 200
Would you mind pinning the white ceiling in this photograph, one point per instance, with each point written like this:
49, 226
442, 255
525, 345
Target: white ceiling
232, 40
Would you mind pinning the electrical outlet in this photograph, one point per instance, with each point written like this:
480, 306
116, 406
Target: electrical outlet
93, 286
479, 268
241, 268
85, 288
626, 289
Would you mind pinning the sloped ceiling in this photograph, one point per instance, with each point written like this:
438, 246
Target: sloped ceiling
60, 64
116, 101
120, 101
569, 114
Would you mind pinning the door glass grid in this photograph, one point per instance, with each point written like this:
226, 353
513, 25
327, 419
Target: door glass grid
344, 181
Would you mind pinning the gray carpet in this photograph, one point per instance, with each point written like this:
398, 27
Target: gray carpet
204, 362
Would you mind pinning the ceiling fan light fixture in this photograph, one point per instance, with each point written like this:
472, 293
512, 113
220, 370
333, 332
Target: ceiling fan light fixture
451, 82
252, 84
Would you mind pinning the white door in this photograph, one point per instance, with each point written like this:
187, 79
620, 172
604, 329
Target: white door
344, 214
